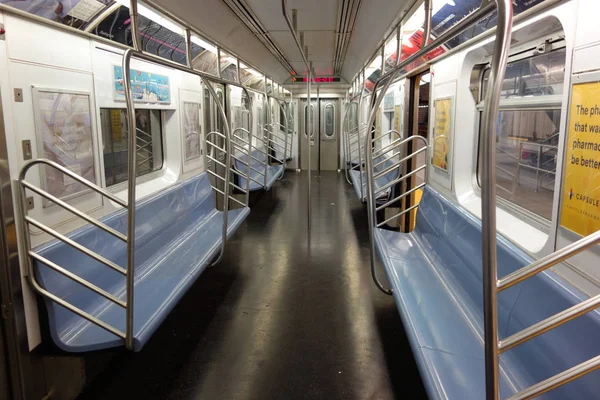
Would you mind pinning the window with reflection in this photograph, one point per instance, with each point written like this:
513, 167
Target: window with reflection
204, 55
157, 35
390, 52
115, 143
527, 137
228, 67
313, 121
329, 121
74, 13
540, 75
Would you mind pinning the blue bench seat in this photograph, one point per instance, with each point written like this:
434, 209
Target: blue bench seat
178, 233
274, 172
379, 182
436, 276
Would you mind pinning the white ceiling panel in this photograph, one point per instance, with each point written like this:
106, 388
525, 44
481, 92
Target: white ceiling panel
316, 17
320, 45
313, 15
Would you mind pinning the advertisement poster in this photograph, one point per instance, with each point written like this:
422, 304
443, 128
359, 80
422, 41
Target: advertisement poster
146, 87
397, 116
191, 130
442, 131
580, 210
65, 136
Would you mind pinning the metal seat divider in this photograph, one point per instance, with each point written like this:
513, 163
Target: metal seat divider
284, 162
486, 8
24, 221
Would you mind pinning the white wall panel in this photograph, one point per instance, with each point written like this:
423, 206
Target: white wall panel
34, 43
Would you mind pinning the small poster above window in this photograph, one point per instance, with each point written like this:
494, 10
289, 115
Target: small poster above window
146, 87
64, 135
442, 132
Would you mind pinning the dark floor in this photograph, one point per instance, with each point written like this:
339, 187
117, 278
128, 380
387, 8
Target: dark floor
281, 317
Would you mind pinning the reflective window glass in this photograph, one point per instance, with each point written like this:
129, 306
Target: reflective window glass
228, 67
329, 120
527, 137
74, 13
155, 38
115, 143
539, 75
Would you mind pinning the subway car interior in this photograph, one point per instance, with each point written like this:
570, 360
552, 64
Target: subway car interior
299, 199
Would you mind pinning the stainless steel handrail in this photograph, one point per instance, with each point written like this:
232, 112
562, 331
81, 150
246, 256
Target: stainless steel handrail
485, 9
235, 171
24, 237
346, 137
372, 190
488, 194
285, 133
308, 65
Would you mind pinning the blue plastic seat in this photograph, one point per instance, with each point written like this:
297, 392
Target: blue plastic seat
436, 276
178, 233
274, 172
379, 182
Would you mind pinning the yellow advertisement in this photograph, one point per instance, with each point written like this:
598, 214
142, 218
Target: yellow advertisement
581, 190
441, 133
115, 122
397, 119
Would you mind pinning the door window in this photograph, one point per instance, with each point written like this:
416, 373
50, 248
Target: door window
312, 125
329, 122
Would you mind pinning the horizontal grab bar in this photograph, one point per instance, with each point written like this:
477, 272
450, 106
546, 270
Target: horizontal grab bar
402, 178
74, 309
403, 195
76, 245
73, 175
549, 261
81, 281
75, 211
397, 215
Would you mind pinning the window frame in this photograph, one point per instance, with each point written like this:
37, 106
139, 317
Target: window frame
140, 179
535, 103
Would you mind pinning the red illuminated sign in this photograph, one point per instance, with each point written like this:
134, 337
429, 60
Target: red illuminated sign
322, 79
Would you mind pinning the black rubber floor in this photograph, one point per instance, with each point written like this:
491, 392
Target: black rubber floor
285, 315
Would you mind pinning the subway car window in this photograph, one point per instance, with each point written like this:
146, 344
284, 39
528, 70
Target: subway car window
154, 37
540, 75
76, 14
115, 137
527, 137
228, 67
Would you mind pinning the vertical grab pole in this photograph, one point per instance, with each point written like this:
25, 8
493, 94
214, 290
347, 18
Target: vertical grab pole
360, 160
285, 119
132, 149
427, 28
134, 24
227, 150
188, 47
250, 103
304, 54
346, 140
262, 131
309, 128
488, 196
